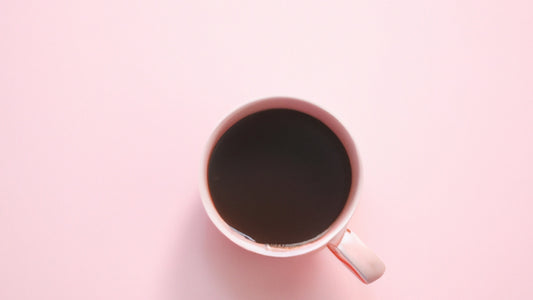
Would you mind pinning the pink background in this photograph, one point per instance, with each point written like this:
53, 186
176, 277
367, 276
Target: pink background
105, 107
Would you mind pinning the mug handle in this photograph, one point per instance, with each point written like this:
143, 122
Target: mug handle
357, 257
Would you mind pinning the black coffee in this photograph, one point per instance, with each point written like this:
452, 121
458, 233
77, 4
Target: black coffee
279, 177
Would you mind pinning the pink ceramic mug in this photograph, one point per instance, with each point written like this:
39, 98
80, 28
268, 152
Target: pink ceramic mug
340, 240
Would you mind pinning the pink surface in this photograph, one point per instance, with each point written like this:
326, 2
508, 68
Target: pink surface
105, 107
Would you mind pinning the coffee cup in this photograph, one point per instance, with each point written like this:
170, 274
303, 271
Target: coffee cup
280, 177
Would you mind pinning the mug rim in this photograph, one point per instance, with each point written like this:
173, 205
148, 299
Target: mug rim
316, 112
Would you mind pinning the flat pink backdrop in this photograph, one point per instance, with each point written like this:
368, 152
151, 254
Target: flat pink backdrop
105, 107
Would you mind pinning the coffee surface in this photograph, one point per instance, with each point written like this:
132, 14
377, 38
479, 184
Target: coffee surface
279, 176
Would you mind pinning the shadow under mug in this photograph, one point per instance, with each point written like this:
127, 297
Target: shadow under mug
346, 246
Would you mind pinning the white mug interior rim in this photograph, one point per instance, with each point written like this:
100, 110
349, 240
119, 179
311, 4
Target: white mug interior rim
315, 111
